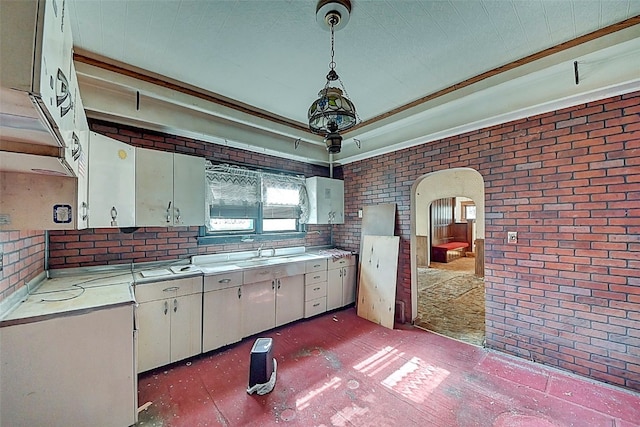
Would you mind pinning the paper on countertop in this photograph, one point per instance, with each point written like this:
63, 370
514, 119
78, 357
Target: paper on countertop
155, 273
335, 253
185, 268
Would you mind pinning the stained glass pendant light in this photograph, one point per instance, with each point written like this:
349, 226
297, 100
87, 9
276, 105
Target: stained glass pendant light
332, 112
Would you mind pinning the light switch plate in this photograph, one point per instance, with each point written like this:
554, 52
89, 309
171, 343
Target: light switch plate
512, 237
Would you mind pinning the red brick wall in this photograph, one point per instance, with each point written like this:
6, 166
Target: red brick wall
23, 259
568, 293
91, 247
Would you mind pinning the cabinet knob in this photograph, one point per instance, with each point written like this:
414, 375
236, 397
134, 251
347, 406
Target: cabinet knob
166, 307
85, 211
177, 210
169, 212
239, 293
175, 305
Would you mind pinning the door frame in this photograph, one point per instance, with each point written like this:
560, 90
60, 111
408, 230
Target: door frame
454, 182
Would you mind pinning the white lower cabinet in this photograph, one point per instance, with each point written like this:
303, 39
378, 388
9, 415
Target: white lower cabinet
71, 370
180, 318
341, 282
222, 310
259, 307
315, 289
289, 299
169, 321
272, 296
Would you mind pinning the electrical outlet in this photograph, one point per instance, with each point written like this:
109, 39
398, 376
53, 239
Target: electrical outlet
512, 237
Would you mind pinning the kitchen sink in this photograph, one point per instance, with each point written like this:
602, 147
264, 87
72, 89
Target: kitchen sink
257, 261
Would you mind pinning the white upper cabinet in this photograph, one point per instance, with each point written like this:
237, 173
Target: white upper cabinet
112, 176
326, 200
34, 61
169, 189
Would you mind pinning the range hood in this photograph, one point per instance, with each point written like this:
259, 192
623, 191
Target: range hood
28, 143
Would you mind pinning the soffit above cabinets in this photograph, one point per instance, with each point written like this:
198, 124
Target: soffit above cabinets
264, 63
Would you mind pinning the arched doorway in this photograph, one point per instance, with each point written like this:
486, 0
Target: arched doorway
428, 190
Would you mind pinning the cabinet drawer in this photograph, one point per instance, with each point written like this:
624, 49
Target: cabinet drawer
315, 291
260, 274
222, 281
315, 277
168, 289
315, 265
316, 306
342, 262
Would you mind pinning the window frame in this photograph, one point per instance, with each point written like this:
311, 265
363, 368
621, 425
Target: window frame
206, 237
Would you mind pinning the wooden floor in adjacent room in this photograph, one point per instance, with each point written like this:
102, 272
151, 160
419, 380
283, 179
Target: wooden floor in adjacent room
451, 300
340, 370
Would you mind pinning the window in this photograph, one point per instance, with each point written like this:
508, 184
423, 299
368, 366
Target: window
249, 203
468, 210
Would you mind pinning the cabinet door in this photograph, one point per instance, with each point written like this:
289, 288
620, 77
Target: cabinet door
154, 345
348, 285
111, 182
221, 318
154, 188
258, 307
188, 190
326, 198
52, 78
334, 288
336, 200
186, 326
289, 299
78, 154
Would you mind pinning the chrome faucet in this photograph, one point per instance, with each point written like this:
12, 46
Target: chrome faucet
260, 250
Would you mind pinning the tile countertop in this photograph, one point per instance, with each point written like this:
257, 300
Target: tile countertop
72, 294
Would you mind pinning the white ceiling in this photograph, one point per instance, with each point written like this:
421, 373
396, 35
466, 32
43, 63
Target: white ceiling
273, 56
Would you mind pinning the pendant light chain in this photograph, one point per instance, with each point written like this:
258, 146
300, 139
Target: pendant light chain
332, 64
332, 112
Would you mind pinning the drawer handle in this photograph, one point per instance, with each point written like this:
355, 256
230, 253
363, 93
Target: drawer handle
316, 304
317, 265
316, 289
262, 273
316, 277
171, 289
224, 280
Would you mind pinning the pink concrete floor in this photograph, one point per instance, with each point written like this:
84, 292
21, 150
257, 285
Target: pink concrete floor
341, 370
